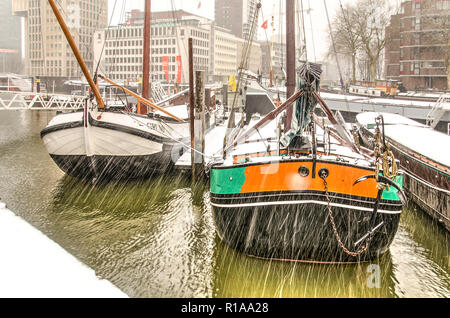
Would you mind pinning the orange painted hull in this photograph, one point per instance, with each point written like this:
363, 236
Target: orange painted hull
285, 177
280, 210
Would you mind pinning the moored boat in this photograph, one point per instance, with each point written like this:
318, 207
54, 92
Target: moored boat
423, 154
114, 145
101, 144
304, 195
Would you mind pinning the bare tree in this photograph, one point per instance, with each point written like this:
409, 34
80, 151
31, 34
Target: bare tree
371, 18
346, 36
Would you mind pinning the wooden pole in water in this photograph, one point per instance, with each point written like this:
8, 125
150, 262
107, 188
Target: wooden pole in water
200, 121
146, 59
76, 52
290, 57
191, 102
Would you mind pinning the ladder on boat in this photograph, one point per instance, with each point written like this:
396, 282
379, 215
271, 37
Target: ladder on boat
437, 112
158, 92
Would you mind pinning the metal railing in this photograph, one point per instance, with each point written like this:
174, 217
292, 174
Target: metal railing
39, 101
438, 110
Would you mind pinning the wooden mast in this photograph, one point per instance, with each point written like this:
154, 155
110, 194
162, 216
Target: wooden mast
146, 58
76, 52
290, 58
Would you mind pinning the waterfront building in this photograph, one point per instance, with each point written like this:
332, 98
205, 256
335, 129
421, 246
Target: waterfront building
236, 15
170, 32
273, 54
216, 50
254, 61
47, 53
10, 41
224, 54
418, 45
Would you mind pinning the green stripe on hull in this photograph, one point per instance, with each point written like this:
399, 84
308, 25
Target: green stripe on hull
227, 181
391, 193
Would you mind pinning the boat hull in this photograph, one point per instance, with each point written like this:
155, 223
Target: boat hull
109, 147
303, 232
113, 167
277, 211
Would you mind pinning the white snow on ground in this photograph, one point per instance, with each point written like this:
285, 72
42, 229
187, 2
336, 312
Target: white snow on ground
33, 266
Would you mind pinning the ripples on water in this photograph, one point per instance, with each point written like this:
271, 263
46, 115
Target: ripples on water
157, 238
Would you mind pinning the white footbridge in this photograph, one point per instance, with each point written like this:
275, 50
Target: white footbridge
39, 101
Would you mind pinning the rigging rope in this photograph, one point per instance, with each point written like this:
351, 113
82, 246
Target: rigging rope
140, 123
334, 45
106, 38
178, 28
304, 29
231, 133
312, 31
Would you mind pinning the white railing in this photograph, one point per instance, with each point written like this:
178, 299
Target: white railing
35, 101
438, 110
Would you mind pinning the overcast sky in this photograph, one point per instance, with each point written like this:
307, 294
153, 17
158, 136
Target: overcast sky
317, 35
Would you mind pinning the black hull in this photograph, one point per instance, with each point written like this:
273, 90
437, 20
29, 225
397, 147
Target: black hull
303, 232
114, 167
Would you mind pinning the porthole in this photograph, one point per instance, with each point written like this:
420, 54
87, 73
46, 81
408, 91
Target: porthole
303, 171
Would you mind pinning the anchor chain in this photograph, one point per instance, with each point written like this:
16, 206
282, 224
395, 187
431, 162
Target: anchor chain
333, 224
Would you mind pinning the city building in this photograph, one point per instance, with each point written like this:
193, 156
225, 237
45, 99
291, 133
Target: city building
122, 47
224, 54
216, 50
418, 45
236, 16
10, 40
47, 53
273, 55
254, 60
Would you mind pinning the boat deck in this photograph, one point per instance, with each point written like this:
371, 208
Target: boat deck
413, 135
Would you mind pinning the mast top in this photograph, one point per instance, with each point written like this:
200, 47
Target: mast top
76, 52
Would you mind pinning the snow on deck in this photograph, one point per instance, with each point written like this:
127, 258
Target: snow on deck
215, 137
377, 101
213, 147
33, 266
413, 135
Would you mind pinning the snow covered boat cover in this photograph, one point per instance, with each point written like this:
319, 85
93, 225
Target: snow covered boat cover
413, 135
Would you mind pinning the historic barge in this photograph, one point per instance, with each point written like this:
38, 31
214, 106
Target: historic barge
424, 154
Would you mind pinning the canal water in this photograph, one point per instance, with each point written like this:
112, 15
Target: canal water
157, 238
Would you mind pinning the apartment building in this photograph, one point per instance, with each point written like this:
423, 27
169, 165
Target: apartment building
418, 45
216, 50
236, 16
122, 47
10, 41
224, 54
273, 55
48, 54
